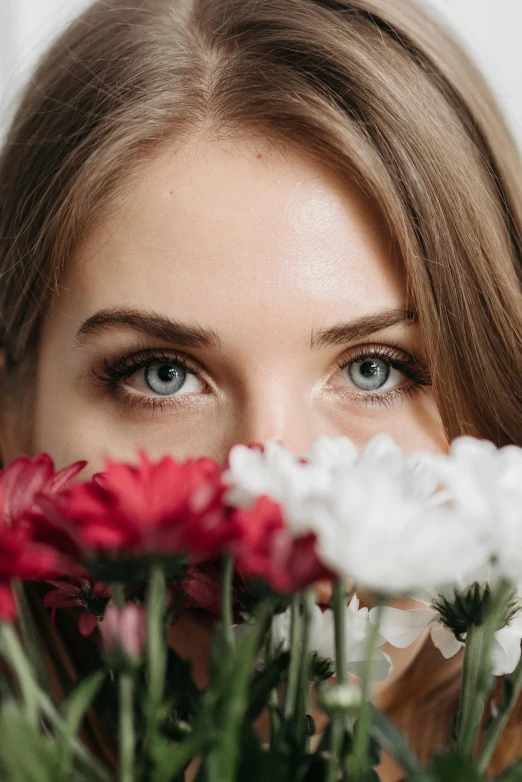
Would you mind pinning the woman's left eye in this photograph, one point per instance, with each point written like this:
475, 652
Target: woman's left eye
373, 374
380, 374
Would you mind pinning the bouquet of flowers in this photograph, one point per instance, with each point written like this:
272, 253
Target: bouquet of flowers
278, 548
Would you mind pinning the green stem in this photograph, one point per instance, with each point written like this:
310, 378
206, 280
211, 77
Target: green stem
339, 607
477, 675
30, 636
336, 745
127, 736
49, 711
295, 658
226, 600
156, 651
470, 706
496, 729
18, 661
308, 708
221, 764
117, 595
273, 699
361, 736
338, 718
305, 666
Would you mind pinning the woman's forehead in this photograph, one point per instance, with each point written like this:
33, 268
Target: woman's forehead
234, 234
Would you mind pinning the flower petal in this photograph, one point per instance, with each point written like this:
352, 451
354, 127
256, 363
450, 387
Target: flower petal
445, 641
401, 628
86, 623
505, 651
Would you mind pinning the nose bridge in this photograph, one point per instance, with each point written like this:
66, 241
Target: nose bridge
277, 407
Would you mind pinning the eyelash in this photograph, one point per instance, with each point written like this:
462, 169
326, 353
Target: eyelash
118, 368
115, 369
410, 365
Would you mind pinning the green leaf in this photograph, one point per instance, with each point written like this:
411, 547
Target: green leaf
80, 699
73, 710
252, 756
25, 754
170, 759
451, 765
265, 682
388, 736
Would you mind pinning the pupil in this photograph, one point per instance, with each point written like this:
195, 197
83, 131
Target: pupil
166, 373
369, 374
165, 378
370, 369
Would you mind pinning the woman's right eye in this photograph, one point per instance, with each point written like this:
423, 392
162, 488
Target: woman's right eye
165, 379
156, 376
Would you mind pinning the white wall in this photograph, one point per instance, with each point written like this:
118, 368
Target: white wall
26, 29
490, 28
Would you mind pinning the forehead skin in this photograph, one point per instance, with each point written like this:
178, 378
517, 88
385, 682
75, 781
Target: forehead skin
262, 247
234, 234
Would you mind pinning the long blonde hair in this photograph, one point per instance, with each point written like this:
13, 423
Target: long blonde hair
376, 89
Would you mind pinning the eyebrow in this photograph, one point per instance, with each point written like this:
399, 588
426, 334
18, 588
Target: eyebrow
195, 336
150, 323
362, 327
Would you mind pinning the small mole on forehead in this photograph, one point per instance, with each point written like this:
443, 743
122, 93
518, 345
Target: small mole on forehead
259, 155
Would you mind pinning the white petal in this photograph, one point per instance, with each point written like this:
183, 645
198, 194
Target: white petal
381, 667
505, 651
401, 628
445, 641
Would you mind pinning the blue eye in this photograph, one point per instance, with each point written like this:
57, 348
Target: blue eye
369, 374
165, 378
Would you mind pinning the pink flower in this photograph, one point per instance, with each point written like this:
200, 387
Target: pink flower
124, 631
79, 593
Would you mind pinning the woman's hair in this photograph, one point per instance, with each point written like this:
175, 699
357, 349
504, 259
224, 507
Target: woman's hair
375, 89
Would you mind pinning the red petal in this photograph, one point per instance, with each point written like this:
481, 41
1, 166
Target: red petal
86, 623
8, 607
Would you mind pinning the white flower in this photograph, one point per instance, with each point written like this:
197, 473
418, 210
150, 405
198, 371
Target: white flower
483, 484
332, 452
394, 523
402, 627
302, 488
322, 635
385, 528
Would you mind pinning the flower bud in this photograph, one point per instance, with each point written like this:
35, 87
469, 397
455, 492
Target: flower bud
124, 632
340, 697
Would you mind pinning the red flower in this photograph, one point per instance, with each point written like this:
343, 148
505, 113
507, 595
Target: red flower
24, 485
165, 507
81, 593
269, 550
25, 478
201, 587
21, 558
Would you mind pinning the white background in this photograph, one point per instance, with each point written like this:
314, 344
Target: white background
491, 29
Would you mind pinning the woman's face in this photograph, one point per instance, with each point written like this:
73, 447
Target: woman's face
272, 277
